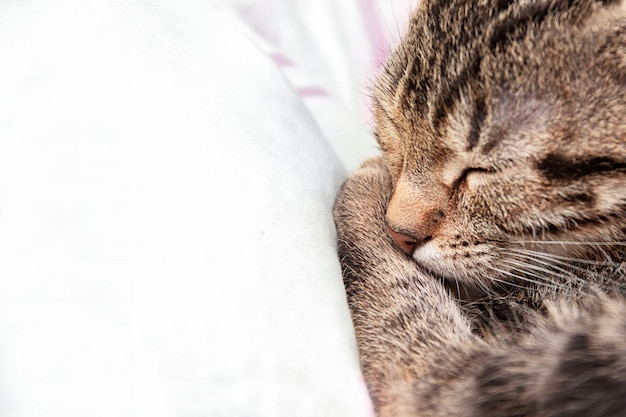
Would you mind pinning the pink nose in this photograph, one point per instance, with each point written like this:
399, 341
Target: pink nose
406, 243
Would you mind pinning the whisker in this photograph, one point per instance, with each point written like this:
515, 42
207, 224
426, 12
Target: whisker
549, 256
567, 274
565, 242
529, 268
525, 268
548, 261
532, 281
501, 281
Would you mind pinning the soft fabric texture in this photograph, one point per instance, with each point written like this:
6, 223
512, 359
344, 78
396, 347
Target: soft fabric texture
166, 243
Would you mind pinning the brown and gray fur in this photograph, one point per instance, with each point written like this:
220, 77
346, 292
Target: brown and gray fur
483, 254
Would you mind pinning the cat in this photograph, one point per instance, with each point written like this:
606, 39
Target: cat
483, 254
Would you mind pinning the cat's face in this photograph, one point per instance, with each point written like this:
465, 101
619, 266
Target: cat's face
506, 139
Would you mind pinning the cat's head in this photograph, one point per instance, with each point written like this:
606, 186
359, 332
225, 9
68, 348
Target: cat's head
503, 125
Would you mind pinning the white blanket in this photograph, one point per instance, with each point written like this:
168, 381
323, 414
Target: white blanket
167, 171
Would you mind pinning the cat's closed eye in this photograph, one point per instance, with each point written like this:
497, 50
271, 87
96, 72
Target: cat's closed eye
472, 174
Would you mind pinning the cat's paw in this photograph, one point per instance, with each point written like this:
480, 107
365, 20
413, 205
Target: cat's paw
360, 207
359, 213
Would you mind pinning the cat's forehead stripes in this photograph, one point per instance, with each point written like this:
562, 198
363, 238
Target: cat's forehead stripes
491, 132
560, 168
517, 122
460, 38
512, 25
480, 113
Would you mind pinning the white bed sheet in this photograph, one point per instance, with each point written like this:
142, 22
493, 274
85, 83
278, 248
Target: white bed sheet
167, 171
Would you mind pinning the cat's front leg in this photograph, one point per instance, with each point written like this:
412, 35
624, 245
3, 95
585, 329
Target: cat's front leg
411, 333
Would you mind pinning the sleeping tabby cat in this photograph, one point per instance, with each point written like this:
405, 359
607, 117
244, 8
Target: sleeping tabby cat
484, 254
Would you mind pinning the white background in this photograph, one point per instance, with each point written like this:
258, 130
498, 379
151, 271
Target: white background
166, 244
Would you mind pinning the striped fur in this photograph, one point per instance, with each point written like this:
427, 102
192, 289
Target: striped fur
502, 126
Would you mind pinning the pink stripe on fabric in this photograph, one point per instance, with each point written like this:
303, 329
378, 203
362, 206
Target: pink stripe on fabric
312, 91
280, 59
375, 31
